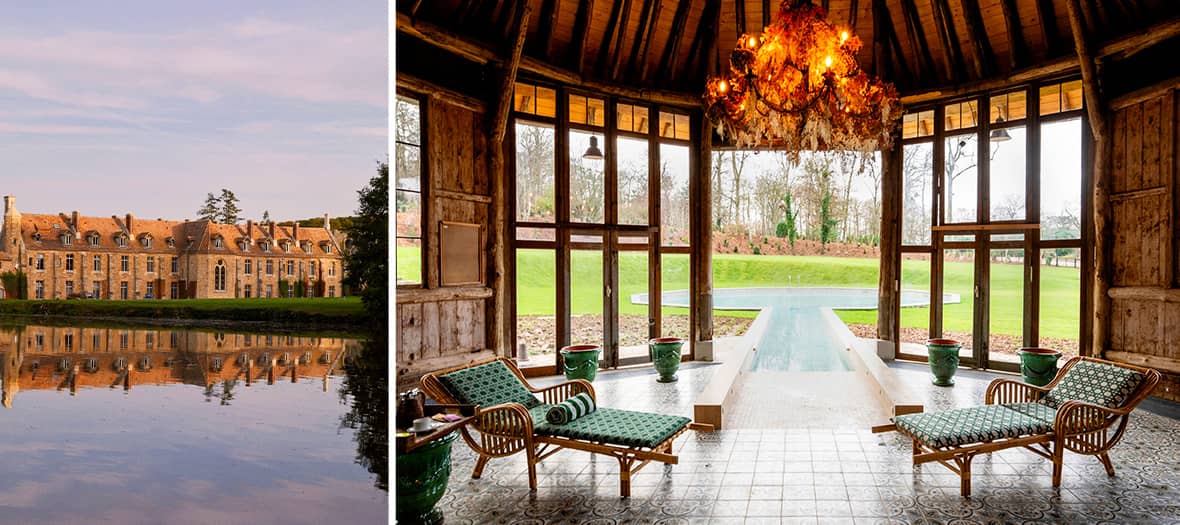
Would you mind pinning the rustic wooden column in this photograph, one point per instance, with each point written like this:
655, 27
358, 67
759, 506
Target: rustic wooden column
889, 282
700, 190
499, 236
1101, 192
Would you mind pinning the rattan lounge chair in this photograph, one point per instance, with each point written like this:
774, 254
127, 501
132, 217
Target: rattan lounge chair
512, 419
1084, 409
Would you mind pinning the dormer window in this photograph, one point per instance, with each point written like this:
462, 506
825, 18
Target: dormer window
171, 242
92, 239
217, 242
327, 248
306, 247
121, 241
67, 239
37, 236
146, 241
266, 247
287, 247
242, 245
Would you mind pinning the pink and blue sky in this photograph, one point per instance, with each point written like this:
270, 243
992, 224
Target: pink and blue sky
144, 106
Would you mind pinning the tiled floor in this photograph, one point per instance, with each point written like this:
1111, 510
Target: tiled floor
808, 474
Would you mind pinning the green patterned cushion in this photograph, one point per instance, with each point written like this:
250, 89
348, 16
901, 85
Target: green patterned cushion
1039, 411
970, 425
1098, 383
488, 385
612, 426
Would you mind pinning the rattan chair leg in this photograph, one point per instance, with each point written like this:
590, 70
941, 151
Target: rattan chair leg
1105, 459
1058, 457
479, 465
531, 455
965, 476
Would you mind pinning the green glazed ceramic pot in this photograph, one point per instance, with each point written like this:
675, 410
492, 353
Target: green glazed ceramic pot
421, 481
943, 357
580, 361
1038, 365
665, 355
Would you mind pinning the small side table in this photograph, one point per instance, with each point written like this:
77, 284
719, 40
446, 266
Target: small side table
424, 466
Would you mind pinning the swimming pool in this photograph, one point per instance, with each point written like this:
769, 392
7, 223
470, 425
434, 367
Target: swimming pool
797, 338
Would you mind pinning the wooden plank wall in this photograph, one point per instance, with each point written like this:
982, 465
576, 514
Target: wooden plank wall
1145, 279
440, 327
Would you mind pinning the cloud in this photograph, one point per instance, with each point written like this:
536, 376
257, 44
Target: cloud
56, 129
38, 87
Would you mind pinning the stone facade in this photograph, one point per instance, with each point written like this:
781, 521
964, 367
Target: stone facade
65, 256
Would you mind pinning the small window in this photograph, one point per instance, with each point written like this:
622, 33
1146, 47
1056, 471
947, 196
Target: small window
270, 267
98, 263
151, 290
307, 247
587, 110
246, 293
631, 118
123, 296
534, 100
146, 241
328, 248
68, 339
40, 261
39, 289
69, 289
93, 239
674, 126
914, 125
248, 267
219, 276
151, 265
171, 242
96, 290
286, 247
217, 242
311, 269
1057, 98
332, 269
69, 262
962, 115
266, 247
67, 239
124, 263
291, 267
175, 265
242, 245
121, 241
1009, 107
175, 290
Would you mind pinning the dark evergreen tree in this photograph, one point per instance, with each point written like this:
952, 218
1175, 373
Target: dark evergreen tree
212, 209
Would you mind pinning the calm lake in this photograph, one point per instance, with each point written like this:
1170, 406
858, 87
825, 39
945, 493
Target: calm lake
171, 426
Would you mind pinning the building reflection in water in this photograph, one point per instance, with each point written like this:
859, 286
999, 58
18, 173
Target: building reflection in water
75, 358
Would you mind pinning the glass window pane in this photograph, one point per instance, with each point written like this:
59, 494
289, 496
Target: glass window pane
1071, 95
1050, 99
674, 204
961, 115
667, 125
536, 234
409, 261
915, 299
1061, 179
536, 306
1006, 304
1061, 297
682, 127
535, 179
409, 213
633, 181
961, 178
546, 102
406, 120
1007, 170
919, 124
958, 285
586, 298
674, 277
632, 297
632, 118
918, 193
1009, 106
524, 98
408, 167
577, 108
587, 180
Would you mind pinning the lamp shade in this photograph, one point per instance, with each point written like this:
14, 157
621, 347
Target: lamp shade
1000, 135
593, 153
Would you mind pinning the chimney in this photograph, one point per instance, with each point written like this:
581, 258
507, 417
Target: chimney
74, 224
272, 229
295, 232
9, 203
327, 223
249, 229
130, 228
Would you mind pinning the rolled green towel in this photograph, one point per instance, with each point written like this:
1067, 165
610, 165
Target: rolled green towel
570, 409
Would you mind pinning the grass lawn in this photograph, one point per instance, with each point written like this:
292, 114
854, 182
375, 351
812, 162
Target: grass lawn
314, 310
1060, 287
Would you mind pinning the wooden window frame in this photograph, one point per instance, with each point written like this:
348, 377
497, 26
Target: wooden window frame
423, 191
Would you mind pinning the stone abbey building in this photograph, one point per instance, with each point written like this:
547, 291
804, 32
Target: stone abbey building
66, 256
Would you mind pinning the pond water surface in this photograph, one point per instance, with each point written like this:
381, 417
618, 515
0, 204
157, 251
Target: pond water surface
124, 425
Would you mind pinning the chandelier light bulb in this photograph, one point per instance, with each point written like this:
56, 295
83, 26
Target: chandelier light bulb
843, 37
722, 86
752, 43
828, 62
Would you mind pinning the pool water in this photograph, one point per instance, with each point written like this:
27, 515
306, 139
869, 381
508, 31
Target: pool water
797, 338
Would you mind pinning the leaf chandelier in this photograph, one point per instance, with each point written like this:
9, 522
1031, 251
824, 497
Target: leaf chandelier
797, 87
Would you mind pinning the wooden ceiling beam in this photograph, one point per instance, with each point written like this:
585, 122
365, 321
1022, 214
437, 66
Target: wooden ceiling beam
1049, 31
1019, 50
617, 48
577, 55
672, 47
951, 51
917, 38
647, 24
612, 24
985, 58
897, 54
711, 51
739, 9
545, 32
766, 12
853, 13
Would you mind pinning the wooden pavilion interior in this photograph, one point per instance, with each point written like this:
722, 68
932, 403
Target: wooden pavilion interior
637, 70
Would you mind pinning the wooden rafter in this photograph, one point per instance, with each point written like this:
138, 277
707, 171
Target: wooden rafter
766, 12
577, 54
639, 61
545, 32
895, 54
1019, 50
951, 51
620, 33
704, 43
853, 13
1049, 27
1089, 16
672, 47
612, 25
739, 10
985, 59
917, 38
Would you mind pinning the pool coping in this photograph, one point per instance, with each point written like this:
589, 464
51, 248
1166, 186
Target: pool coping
735, 355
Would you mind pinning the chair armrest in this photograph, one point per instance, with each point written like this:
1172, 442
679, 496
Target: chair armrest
506, 420
1003, 391
560, 392
1079, 417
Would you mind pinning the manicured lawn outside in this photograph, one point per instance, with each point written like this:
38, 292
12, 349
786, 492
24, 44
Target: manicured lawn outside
316, 310
1060, 296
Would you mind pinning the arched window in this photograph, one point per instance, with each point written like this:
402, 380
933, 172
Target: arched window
219, 276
